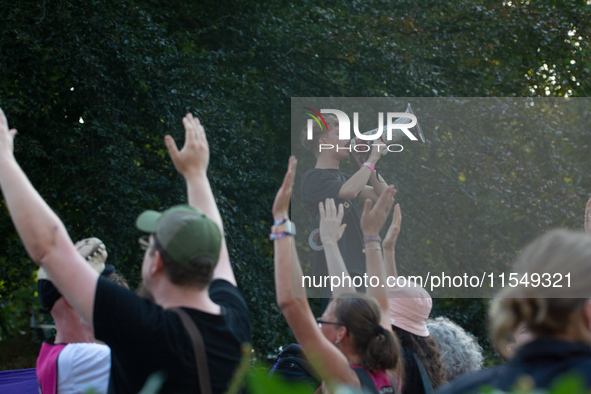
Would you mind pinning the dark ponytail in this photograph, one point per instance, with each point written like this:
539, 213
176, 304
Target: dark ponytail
381, 352
379, 349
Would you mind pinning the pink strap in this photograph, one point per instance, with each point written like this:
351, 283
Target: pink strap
369, 165
47, 367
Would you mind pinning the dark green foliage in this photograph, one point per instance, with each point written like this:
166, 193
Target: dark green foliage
119, 71
19, 353
130, 70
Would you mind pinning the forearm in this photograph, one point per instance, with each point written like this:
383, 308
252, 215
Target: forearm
390, 262
355, 184
47, 241
291, 298
375, 267
336, 268
288, 272
200, 195
37, 225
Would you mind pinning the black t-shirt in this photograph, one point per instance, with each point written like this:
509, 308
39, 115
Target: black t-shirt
144, 338
318, 185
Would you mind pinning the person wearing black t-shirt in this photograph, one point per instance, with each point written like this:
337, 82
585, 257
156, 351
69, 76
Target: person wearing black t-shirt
327, 181
186, 266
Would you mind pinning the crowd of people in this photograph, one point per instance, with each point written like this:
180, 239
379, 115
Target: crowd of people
188, 320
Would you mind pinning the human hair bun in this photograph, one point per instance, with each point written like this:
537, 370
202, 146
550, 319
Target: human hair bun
381, 352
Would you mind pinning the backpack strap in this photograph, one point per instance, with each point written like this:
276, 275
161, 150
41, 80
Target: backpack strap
366, 381
47, 367
199, 350
424, 377
394, 384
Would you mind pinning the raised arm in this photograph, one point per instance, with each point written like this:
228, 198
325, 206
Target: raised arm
192, 162
372, 220
357, 184
331, 231
291, 297
42, 232
378, 185
389, 243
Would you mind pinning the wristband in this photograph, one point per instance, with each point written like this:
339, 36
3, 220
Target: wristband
376, 248
372, 238
288, 231
276, 236
369, 165
281, 220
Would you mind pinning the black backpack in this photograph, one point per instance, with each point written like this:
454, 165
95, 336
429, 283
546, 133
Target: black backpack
293, 366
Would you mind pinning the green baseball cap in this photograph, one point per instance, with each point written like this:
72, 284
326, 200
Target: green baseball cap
184, 232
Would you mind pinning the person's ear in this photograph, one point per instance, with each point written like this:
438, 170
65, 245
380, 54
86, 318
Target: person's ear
342, 332
323, 138
509, 348
157, 265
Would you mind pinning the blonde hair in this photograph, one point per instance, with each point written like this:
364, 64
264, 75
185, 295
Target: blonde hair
546, 310
317, 132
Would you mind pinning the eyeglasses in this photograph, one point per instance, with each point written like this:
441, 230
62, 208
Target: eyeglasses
321, 322
144, 243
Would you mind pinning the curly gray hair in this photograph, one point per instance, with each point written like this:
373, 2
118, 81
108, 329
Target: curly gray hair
460, 352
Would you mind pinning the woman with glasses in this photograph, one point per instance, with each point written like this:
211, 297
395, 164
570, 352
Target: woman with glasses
352, 343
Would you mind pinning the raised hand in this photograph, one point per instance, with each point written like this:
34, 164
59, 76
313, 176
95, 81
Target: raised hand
6, 137
588, 218
193, 158
374, 218
377, 148
389, 242
283, 196
331, 229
